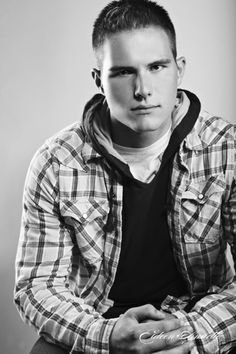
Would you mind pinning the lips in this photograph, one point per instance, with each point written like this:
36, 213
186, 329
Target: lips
144, 108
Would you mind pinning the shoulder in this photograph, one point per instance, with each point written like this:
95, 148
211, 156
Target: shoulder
64, 147
212, 129
213, 140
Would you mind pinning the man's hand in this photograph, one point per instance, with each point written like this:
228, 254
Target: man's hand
131, 334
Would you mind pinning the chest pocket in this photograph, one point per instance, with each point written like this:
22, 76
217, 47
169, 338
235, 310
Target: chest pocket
88, 218
200, 211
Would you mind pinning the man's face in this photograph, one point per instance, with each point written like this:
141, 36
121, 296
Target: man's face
139, 78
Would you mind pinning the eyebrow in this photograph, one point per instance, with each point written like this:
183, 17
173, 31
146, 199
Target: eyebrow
160, 62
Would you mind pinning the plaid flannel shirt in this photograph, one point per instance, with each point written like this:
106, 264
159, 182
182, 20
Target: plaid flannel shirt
71, 238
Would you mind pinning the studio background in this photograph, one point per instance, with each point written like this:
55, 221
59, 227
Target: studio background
45, 64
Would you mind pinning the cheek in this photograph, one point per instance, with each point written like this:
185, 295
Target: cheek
169, 89
116, 93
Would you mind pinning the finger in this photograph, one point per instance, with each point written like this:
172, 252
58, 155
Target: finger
168, 316
176, 337
141, 313
161, 325
164, 340
182, 349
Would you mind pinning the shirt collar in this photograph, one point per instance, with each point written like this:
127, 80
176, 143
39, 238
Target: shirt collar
89, 153
193, 141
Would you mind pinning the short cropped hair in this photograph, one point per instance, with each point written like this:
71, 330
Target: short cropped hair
126, 15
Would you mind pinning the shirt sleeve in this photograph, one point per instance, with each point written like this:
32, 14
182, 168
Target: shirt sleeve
213, 319
214, 316
43, 292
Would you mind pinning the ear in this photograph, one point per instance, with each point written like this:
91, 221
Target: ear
181, 63
96, 75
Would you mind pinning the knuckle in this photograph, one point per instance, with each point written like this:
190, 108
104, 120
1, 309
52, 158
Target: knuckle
140, 350
169, 325
135, 349
167, 340
148, 306
182, 349
130, 312
132, 334
148, 309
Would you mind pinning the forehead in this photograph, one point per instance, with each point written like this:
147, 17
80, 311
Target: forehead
134, 46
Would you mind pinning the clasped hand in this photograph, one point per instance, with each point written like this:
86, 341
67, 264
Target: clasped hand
145, 330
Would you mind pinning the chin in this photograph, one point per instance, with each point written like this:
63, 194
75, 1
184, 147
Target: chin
145, 129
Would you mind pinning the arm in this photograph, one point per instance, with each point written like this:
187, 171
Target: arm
213, 319
44, 290
146, 330
214, 316
43, 293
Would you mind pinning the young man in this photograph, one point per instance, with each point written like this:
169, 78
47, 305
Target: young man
127, 215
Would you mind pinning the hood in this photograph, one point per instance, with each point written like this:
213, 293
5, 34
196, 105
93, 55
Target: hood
96, 123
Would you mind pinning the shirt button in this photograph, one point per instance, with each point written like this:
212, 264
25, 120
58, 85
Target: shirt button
85, 216
200, 196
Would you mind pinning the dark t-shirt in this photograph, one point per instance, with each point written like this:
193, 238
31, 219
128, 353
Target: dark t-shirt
146, 271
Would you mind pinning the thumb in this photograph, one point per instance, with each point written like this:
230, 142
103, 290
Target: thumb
145, 312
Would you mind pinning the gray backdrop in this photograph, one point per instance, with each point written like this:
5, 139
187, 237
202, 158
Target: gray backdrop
45, 62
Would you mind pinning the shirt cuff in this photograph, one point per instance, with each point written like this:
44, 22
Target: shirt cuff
98, 336
205, 338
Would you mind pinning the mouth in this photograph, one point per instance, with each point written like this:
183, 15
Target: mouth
144, 109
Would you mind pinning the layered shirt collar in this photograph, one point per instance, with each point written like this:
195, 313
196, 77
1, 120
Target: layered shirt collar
97, 125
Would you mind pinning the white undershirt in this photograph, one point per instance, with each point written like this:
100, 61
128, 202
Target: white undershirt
144, 162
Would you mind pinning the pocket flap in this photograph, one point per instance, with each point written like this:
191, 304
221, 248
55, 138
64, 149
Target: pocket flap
84, 211
202, 191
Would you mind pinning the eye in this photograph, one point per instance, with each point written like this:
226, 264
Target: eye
156, 67
124, 72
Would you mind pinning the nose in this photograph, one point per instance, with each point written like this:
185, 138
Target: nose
142, 87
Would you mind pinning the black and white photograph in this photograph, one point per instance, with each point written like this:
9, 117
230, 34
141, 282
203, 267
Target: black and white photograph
118, 205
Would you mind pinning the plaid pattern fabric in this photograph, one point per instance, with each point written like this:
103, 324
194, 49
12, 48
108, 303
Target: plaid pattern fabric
71, 238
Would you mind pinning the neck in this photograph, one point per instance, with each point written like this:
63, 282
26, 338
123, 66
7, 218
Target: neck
125, 136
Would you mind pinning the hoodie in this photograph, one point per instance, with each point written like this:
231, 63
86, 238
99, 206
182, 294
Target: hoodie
146, 270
